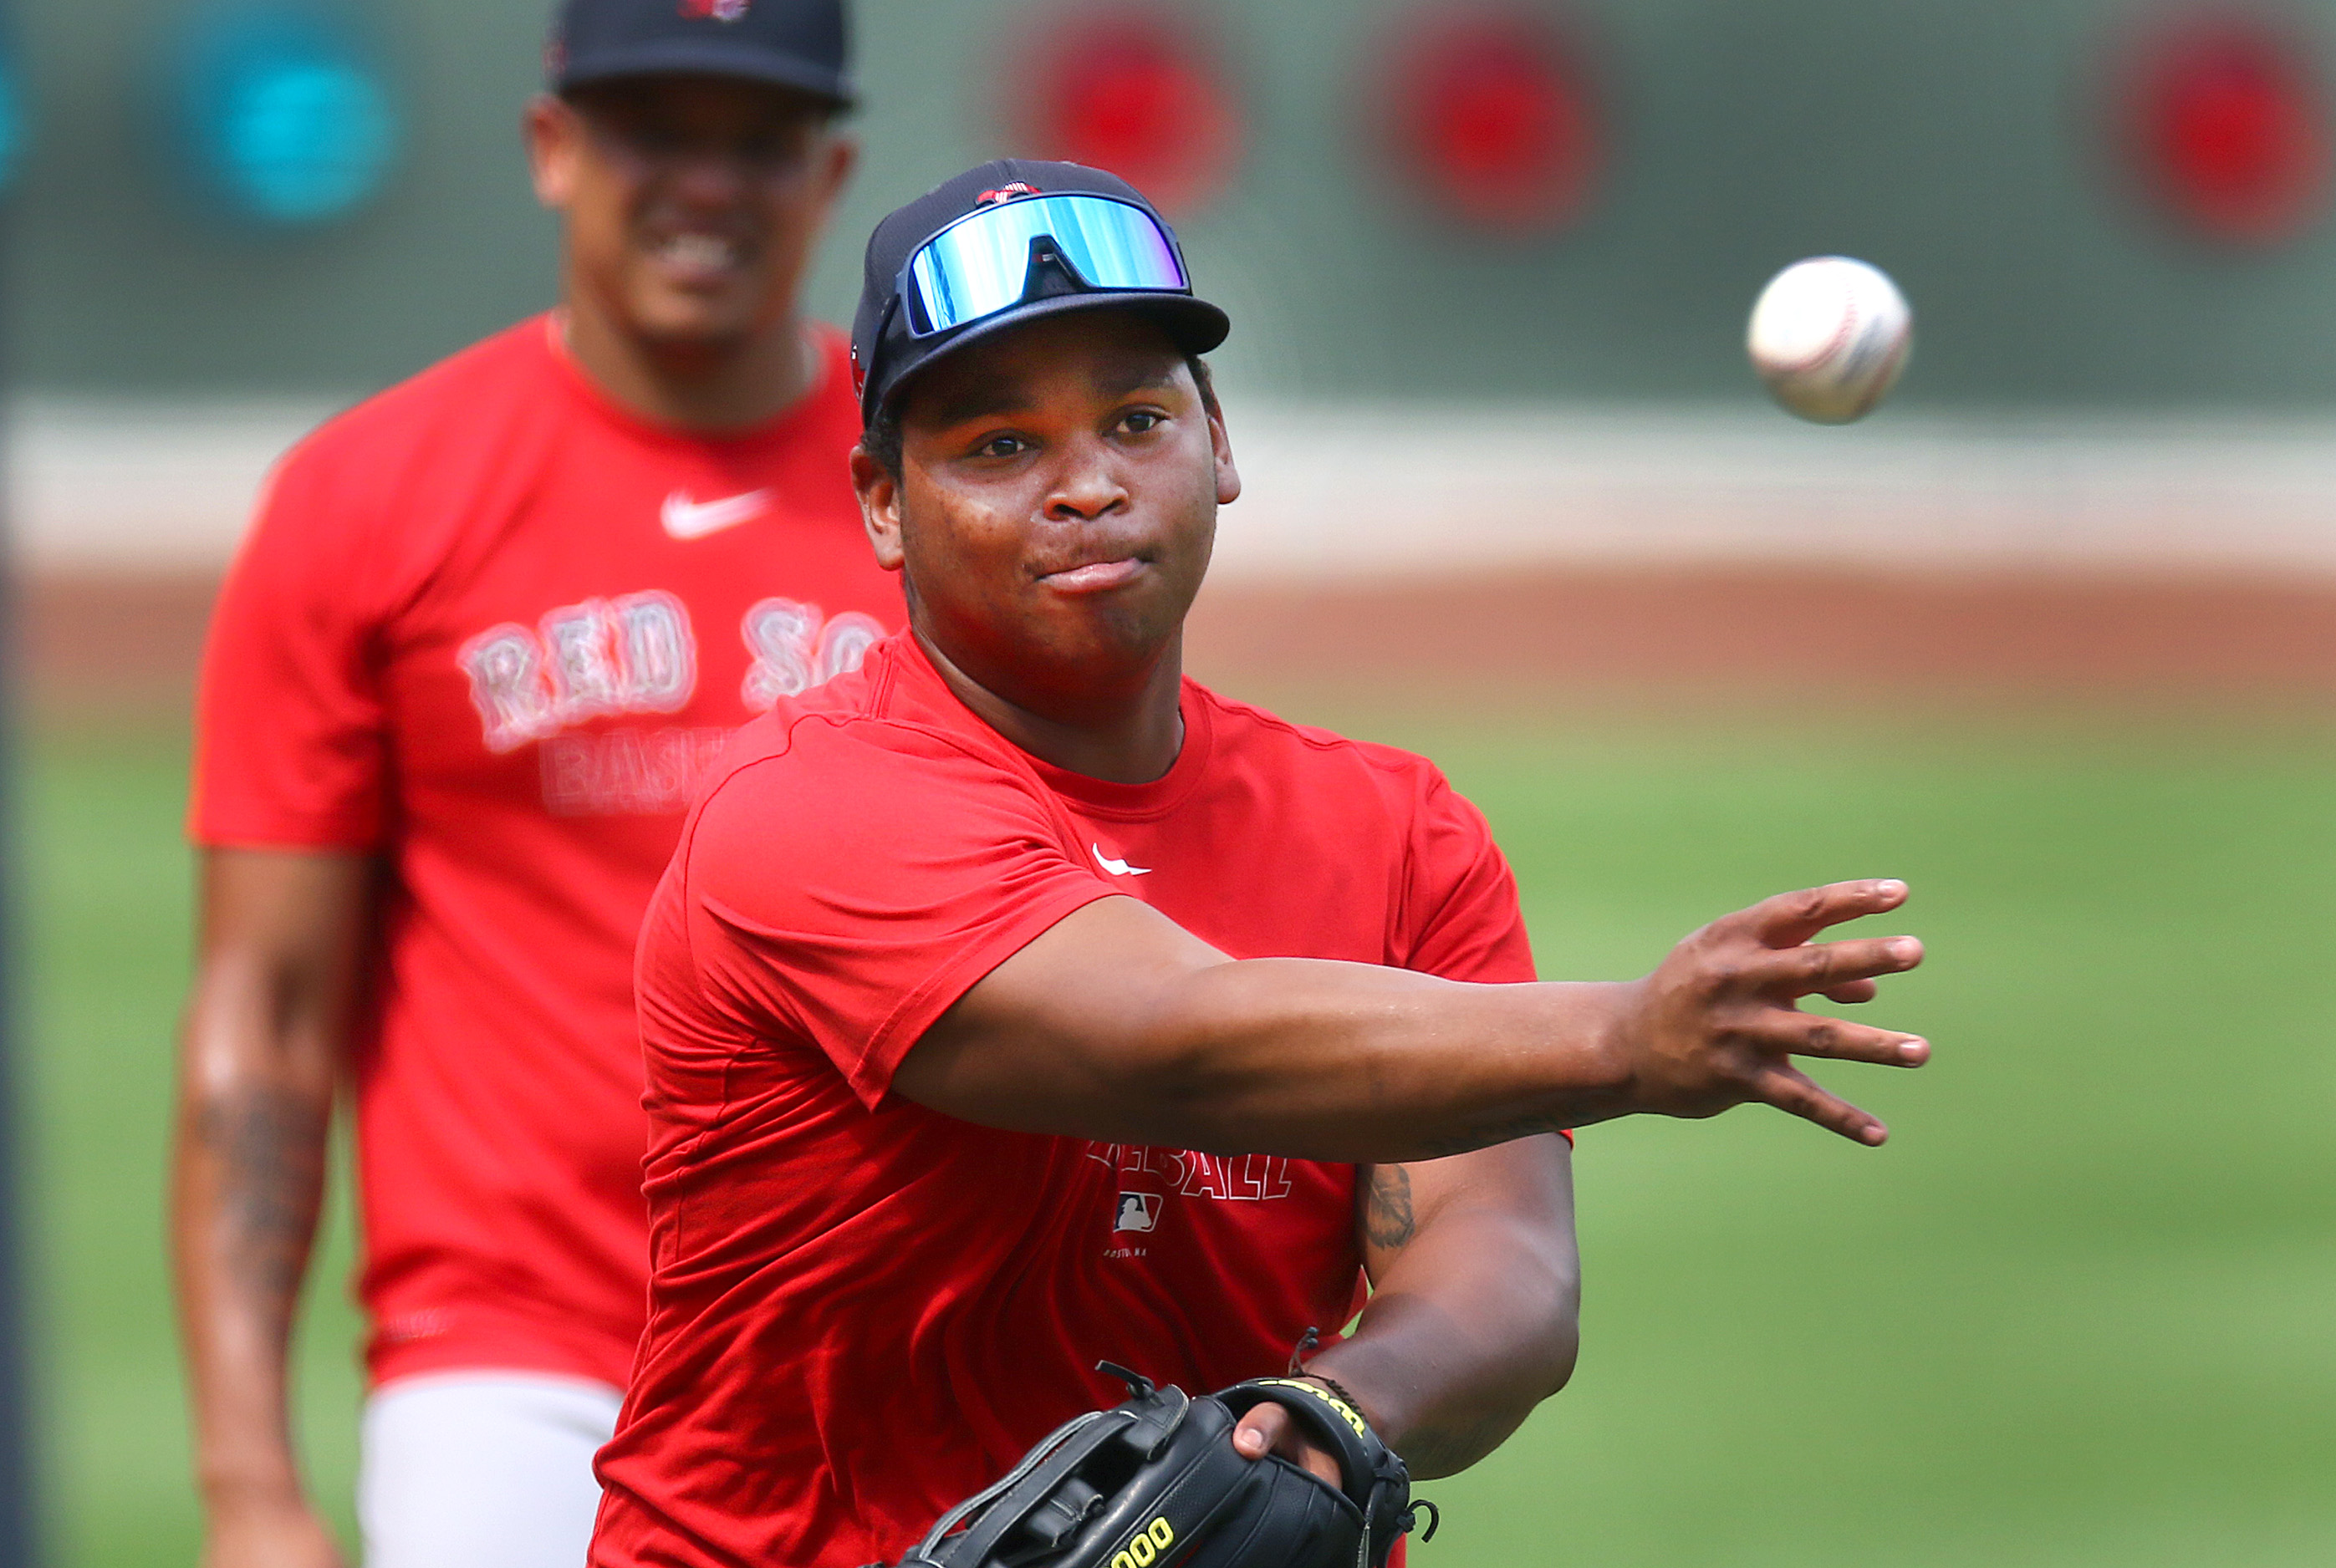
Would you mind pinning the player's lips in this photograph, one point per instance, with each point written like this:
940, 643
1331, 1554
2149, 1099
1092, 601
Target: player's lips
1093, 576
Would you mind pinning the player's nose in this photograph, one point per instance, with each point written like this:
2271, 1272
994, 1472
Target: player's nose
1087, 486
708, 176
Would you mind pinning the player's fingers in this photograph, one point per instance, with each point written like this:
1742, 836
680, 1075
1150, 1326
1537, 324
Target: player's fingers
1789, 919
1320, 1462
1838, 1040
1850, 992
1794, 1091
1255, 1434
1819, 966
1269, 1429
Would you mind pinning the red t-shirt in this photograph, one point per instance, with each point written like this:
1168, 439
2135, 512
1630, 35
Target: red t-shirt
491, 628
862, 1310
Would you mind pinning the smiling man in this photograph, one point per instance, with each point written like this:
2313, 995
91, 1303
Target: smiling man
486, 631
1013, 1003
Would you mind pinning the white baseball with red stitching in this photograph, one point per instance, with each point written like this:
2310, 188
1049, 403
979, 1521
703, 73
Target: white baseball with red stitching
1830, 337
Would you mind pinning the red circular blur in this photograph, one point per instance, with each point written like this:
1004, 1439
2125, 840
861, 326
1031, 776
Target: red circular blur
1133, 92
1492, 117
2228, 128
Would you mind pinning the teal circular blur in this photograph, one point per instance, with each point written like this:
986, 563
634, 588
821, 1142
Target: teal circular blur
288, 121
12, 124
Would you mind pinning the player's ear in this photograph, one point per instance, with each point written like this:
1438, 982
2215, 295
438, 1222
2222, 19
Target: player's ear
554, 133
838, 157
879, 490
1228, 477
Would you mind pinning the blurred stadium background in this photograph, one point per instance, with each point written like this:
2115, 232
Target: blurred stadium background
2053, 636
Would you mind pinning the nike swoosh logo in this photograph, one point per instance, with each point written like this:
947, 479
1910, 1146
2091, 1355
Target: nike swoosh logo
1117, 868
686, 519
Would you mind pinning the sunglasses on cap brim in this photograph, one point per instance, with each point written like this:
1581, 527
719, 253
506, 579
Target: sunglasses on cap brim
987, 261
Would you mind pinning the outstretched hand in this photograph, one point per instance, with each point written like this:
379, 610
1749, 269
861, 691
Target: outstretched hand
1717, 1023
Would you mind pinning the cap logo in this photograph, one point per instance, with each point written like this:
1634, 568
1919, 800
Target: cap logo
1005, 193
714, 10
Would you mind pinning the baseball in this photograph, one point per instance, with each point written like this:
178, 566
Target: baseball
1829, 336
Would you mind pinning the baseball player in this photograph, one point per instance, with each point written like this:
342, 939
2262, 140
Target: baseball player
1013, 1003
488, 629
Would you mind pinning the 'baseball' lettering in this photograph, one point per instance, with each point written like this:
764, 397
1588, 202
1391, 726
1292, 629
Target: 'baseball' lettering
1249, 1177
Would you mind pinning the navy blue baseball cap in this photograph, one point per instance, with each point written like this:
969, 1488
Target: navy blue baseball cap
1006, 243
799, 44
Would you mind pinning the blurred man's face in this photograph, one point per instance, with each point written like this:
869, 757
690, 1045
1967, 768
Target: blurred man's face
692, 202
1057, 504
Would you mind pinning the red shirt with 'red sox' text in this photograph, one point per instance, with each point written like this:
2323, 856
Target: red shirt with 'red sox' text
490, 628
863, 1311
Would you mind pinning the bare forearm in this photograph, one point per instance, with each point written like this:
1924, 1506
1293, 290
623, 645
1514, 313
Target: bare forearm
1355, 1062
1306, 1058
1476, 1313
1472, 1329
248, 1181
1118, 1024
261, 1061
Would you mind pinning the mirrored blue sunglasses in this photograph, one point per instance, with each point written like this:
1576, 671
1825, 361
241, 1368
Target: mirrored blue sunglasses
983, 263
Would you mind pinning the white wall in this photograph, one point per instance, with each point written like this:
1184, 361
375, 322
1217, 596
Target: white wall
97, 487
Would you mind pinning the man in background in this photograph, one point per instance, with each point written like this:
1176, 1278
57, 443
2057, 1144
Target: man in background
486, 630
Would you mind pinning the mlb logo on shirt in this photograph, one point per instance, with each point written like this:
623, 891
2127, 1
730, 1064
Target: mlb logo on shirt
1137, 1212
714, 10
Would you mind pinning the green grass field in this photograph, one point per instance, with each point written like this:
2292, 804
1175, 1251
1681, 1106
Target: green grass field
2077, 1313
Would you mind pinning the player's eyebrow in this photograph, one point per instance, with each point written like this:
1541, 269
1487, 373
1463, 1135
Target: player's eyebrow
991, 397
1144, 375
981, 400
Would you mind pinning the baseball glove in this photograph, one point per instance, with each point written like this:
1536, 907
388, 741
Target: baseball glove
1156, 1483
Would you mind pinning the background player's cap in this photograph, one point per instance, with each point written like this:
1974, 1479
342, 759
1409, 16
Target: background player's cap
798, 44
891, 339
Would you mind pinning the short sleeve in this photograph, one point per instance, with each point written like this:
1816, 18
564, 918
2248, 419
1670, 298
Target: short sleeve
289, 743
848, 890
1461, 912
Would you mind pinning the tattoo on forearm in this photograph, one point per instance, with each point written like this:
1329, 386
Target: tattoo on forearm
270, 1148
1485, 1136
1387, 1208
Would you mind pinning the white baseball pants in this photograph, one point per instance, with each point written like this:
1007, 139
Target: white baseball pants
482, 1470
